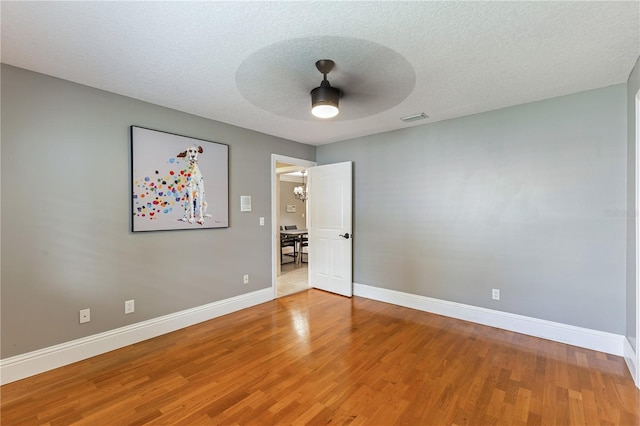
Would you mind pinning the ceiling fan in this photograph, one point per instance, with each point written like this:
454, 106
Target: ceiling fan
324, 98
279, 78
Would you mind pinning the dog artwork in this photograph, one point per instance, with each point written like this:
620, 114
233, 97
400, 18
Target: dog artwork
195, 203
168, 174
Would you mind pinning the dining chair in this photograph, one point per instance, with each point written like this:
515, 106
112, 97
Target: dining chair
287, 241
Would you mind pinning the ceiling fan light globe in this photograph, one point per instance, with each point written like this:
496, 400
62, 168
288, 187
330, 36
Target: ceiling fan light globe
324, 101
325, 111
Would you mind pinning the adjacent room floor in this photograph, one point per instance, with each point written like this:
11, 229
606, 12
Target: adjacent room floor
293, 278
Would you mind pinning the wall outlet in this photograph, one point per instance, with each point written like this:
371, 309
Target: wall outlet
129, 306
495, 294
245, 279
85, 315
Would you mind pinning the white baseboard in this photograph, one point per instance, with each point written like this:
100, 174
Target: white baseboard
630, 357
577, 336
29, 364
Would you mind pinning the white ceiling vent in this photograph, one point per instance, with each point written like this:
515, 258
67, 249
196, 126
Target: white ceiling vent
414, 117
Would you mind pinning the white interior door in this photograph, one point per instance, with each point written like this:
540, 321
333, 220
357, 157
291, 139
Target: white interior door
330, 228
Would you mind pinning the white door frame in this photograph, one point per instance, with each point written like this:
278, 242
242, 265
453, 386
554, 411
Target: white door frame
275, 192
636, 355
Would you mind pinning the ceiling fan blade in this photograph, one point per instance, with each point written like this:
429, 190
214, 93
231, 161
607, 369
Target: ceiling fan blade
280, 77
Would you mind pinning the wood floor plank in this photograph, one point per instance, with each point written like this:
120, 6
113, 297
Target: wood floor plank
317, 358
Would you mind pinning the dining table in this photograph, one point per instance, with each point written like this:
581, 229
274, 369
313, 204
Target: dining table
298, 234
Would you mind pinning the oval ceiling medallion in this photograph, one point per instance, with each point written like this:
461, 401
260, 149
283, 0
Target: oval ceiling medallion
279, 78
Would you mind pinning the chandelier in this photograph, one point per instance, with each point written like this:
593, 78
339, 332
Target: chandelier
301, 192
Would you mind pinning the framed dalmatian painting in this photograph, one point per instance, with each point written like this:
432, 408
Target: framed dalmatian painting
178, 182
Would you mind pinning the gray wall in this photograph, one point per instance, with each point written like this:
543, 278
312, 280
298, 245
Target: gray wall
66, 243
528, 199
633, 85
286, 197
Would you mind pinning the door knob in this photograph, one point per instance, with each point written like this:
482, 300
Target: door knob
345, 235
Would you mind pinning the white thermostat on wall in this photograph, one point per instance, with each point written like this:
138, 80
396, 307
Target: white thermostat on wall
245, 203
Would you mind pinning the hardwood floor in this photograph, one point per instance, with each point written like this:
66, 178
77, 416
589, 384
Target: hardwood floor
317, 358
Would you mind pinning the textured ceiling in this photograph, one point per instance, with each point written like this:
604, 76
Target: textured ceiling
251, 64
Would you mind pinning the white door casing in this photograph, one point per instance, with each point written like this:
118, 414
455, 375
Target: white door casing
330, 228
637, 241
275, 197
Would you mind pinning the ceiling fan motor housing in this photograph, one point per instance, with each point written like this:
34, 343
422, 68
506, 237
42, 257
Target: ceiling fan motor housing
325, 95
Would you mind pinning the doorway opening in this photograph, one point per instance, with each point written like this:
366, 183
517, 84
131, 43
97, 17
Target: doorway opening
290, 259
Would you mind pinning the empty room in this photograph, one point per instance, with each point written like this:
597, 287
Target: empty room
454, 184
